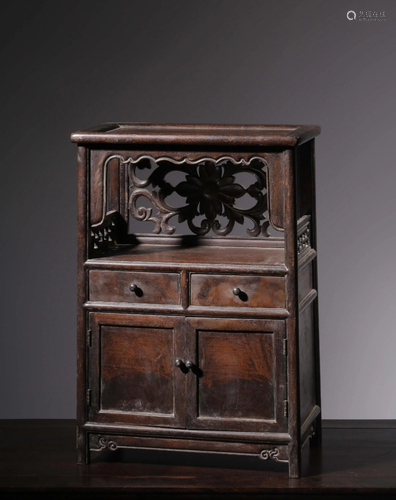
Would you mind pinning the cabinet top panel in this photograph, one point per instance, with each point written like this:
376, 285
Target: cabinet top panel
198, 134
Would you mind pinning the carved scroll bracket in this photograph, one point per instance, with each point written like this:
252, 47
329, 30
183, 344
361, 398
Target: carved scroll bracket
99, 443
273, 454
145, 214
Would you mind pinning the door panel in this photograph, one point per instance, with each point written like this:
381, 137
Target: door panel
133, 377
136, 369
238, 381
241, 364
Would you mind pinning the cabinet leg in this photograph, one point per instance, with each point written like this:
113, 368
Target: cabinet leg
294, 461
316, 440
82, 447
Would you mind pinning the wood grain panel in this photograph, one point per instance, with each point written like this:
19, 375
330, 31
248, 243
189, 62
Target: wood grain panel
136, 369
152, 288
203, 254
194, 134
132, 374
237, 375
238, 381
256, 291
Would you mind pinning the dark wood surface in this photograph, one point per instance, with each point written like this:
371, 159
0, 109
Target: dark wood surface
151, 288
38, 457
132, 372
238, 370
197, 134
257, 258
255, 291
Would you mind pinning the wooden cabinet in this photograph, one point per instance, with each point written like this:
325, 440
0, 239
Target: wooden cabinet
197, 290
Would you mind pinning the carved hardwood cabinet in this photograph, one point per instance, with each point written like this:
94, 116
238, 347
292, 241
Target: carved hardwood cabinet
197, 290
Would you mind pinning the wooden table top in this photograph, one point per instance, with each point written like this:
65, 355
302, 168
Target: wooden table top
37, 457
197, 134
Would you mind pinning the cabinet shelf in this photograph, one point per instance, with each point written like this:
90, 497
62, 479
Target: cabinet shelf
255, 259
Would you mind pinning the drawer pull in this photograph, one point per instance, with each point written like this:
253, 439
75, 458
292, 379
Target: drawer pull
136, 290
185, 366
241, 295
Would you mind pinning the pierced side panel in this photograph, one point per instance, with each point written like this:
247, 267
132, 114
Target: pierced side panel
303, 234
105, 236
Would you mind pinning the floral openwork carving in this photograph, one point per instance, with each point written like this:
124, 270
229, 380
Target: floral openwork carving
208, 191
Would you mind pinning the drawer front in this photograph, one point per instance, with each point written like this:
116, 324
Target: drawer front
150, 288
237, 291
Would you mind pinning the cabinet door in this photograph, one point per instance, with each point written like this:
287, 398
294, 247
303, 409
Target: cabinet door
238, 378
132, 372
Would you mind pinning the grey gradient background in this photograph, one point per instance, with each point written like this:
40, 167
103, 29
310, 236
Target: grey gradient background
67, 65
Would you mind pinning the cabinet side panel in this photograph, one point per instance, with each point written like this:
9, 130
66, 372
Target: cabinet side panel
307, 362
292, 306
306, 205
304, 281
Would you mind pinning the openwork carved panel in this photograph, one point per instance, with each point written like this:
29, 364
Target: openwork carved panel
304, 240
105, 235
208, 194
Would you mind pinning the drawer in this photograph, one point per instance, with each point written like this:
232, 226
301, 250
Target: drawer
150, 288
237, 291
